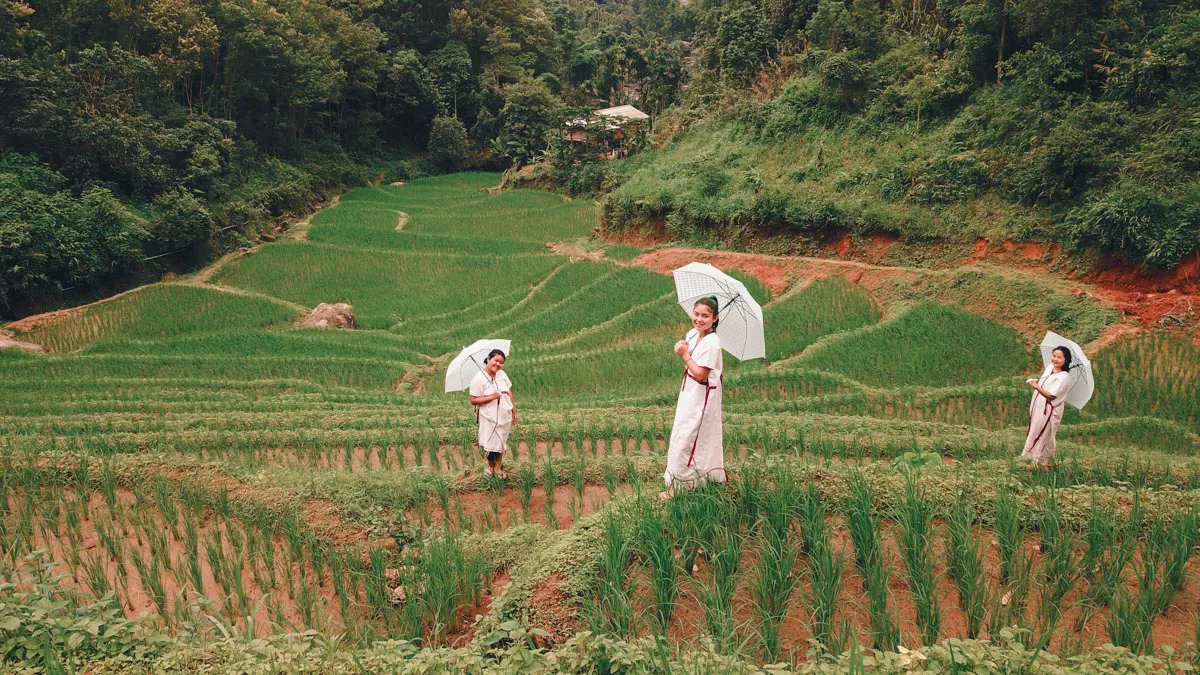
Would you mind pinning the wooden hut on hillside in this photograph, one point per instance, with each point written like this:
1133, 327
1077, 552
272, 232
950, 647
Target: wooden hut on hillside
610, 129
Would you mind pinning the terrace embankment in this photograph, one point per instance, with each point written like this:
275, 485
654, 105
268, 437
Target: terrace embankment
1129, 308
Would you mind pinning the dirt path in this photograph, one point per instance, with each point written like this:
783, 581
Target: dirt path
245, 293
575, 250
299, 231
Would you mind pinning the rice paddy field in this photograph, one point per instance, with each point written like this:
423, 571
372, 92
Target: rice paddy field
191, 482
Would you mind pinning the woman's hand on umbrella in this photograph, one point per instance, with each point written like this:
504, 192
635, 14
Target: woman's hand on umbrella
681, 348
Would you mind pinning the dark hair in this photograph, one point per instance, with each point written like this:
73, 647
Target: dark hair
493, 353
711, 303
1066, 356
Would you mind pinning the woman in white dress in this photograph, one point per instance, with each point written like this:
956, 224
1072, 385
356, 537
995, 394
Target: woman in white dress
696, 452
495, 409
1046, 409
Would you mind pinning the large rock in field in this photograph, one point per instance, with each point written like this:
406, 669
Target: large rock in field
336, 315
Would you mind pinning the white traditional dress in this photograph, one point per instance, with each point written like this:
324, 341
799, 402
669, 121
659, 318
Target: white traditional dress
696, 453
495, 418
1045, 416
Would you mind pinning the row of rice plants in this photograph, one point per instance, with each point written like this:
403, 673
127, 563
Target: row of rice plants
176, 552
1153, 375
156, 312
786, 530
931, 345
384, 286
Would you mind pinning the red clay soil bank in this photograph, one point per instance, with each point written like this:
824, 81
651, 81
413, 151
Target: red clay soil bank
1128, 290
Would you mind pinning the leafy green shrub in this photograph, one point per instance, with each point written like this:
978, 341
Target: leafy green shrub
52, 238
1150, 227
449, 146
181, 221
41, 626
945, 180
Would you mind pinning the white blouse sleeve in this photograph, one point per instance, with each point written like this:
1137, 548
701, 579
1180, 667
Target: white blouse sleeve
1058, 385
708, 353
478, 385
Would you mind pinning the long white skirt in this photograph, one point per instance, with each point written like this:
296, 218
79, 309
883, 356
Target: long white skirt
494, 437
696, 453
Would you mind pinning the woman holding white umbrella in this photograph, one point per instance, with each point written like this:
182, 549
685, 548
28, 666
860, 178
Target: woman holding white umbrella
696, 451
725, 317
1066, 379
491, 394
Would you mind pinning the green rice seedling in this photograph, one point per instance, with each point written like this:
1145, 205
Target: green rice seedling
577, 436
150, 574
306, 604
108, 486
167, 505
526, 479
1060, 568
441, 487
374, 583
1129, 622
724, 548
337, 573
579, 474
775, 577
914, 516
965, 565
658, 549
1009, 533
690, 516
97, 578
825, 574
549, 484
864, 531
443, 565
812, 520
611, 480
632, 475
1109, 570
613, 611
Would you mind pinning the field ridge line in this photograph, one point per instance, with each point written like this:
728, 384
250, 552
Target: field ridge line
233, 290
525, 319
606, 323
894, 313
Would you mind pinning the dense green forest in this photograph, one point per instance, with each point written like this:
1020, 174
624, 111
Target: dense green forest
1066, 121
157, 132
172, 129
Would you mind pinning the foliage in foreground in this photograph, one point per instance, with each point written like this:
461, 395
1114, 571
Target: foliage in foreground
43, 632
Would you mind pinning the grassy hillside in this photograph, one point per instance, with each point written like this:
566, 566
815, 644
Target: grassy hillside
887, 121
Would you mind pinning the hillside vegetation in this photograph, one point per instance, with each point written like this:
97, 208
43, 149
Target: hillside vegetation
1066, 122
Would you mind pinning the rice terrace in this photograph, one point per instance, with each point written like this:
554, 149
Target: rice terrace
190, 480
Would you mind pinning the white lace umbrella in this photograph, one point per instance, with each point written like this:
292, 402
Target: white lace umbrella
470, 361
1081, 385
740, 325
